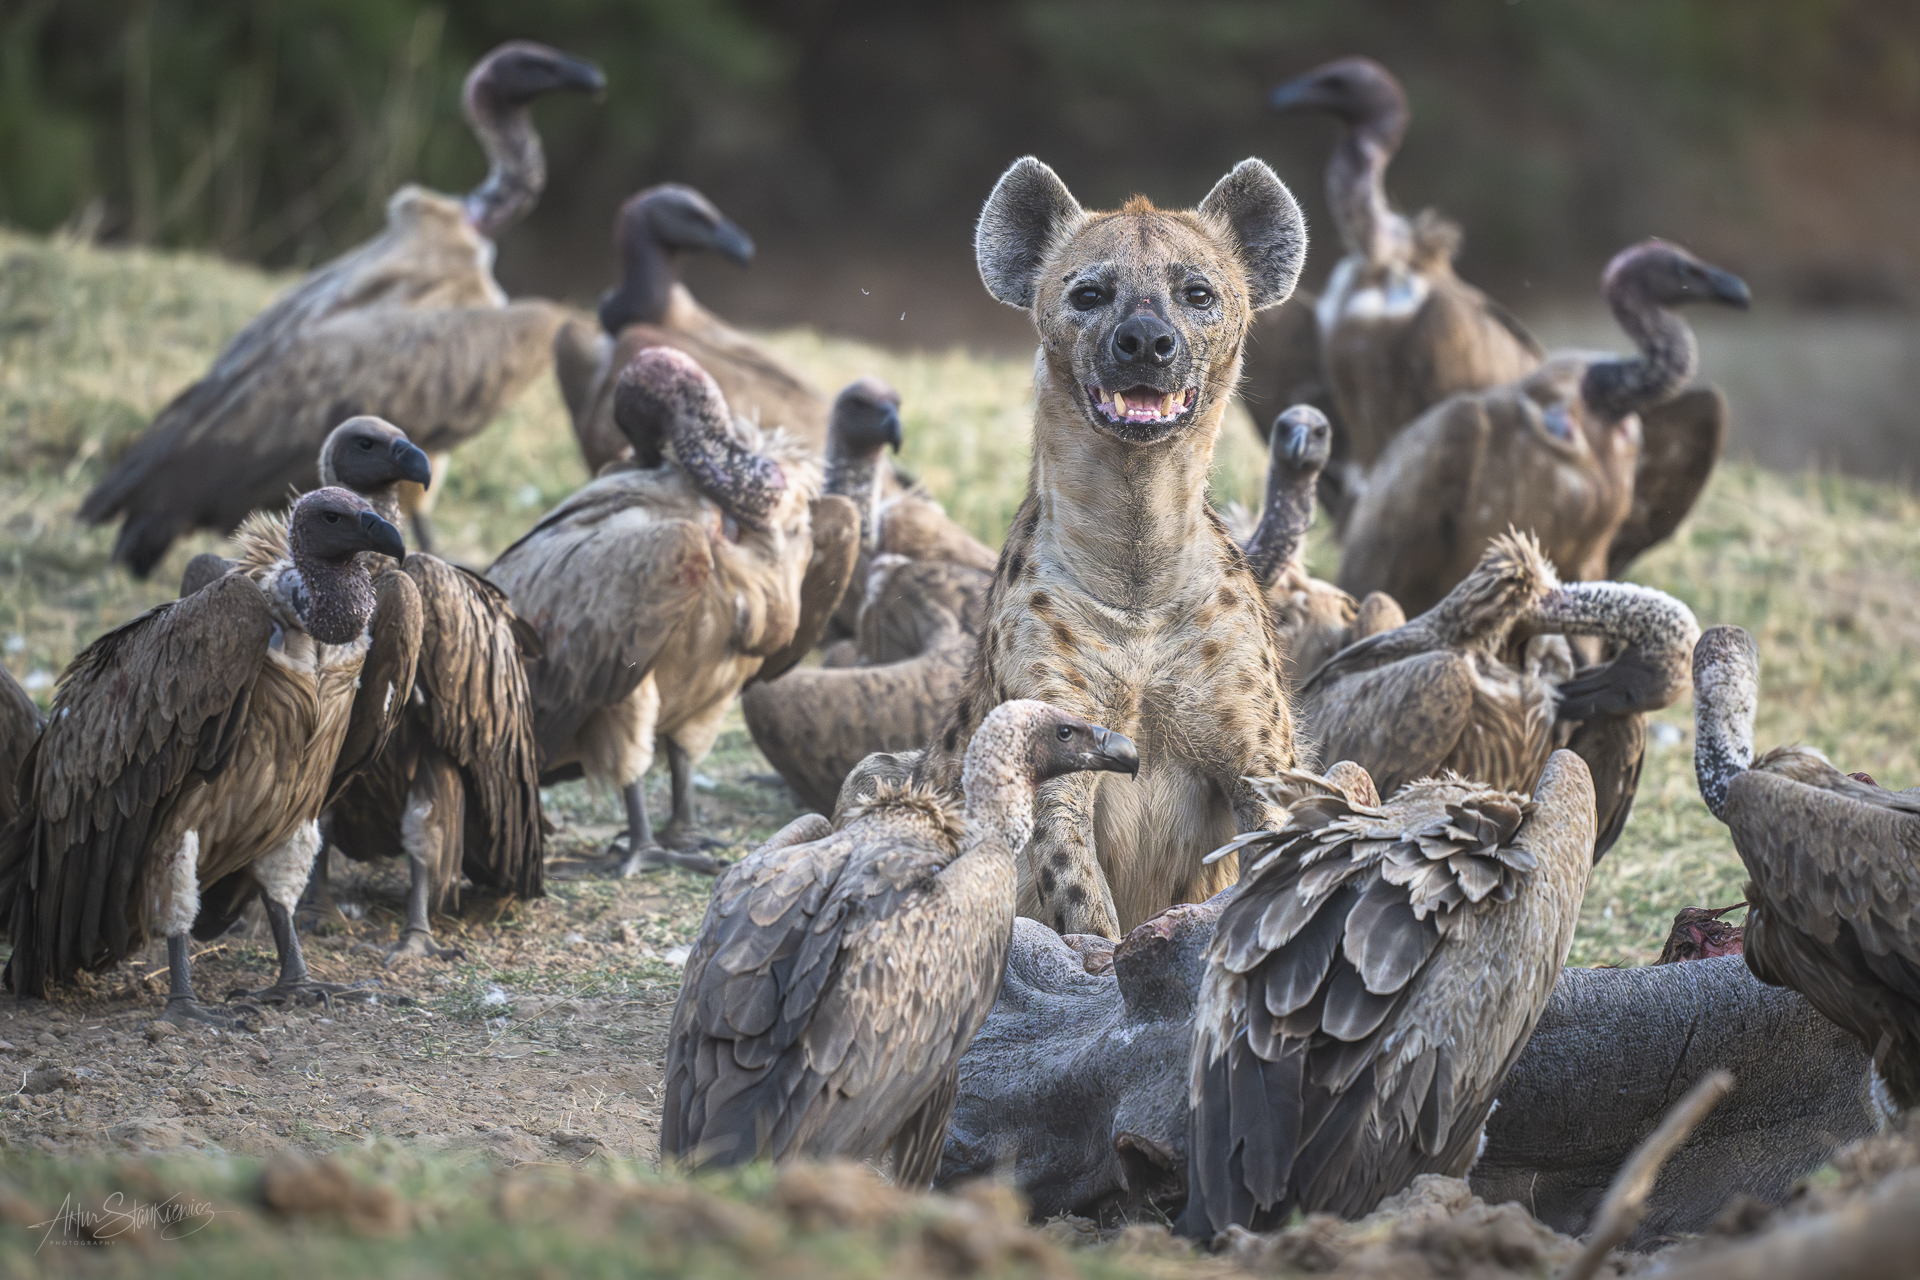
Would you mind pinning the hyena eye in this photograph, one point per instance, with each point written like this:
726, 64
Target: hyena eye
1198, 295
1087, 297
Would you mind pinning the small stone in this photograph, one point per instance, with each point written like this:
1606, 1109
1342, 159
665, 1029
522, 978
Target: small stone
8, 1047
259, 1055
47, 1080
158, 1031
46, 1037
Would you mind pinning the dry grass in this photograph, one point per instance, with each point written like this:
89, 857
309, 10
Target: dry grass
92, 342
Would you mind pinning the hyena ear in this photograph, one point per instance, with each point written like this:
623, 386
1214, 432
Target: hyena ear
1260, 213
1029, 205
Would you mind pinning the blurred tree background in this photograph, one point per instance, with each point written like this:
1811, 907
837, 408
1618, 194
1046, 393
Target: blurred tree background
858, 137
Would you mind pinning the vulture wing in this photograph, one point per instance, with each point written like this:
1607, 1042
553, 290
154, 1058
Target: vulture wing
19, 729
479, 712
1399, 722
145, 710
1614, 748
605, 591
386, 677
836, 546
1681, 441
1339, 1045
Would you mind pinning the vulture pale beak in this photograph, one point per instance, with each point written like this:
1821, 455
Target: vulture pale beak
382, 537
890, 429
1116, 753
411, 463
733, 243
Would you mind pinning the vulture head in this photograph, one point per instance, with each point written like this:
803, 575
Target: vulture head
1358, 92
1512, 578
517, 72
1726, 693
1641, 285
1036, 741
1298, 447
1666, 275
865, 420
1699, 933
368, 454
500, 89
653, 229
327, 531
666, 403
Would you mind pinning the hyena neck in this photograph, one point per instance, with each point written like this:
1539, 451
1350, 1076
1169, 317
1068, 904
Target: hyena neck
1130, 522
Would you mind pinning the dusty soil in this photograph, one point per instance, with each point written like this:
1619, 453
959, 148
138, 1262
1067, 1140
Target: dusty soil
544, 1042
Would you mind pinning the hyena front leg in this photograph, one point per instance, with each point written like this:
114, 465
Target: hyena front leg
1061, 884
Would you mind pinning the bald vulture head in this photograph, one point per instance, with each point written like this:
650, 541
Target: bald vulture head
327, 532
651, 231
1358, 92
1298, 449
865, 422
1641, 285
1726, 693
367, 454
1022, 744
499, 90
666, 403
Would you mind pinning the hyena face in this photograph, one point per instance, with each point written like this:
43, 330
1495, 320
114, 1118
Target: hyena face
1143, 310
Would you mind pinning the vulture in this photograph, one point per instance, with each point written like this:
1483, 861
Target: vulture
839, 975
1313, 618
651, 308
409, 325
1370, 985
657, 592
915, 621
1833, 867
19, 726
1701, 933
1398, 330
456, 788
197, 742
1482, 685
1572, 452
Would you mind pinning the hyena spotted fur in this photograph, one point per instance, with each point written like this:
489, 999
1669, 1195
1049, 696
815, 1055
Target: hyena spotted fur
1120, 594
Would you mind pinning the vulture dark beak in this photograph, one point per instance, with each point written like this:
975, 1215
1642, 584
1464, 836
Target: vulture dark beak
1724, 286
1116, 753
733, 243
410, 462
1300, 94
1299, 442
580, 75
890, 429
382, 537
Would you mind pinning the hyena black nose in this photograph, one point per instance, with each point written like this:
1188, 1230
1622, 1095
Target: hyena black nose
1144, 338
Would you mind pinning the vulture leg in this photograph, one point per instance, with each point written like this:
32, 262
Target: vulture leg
182, 1005
682, 831
282, 874
643, 852
431, 831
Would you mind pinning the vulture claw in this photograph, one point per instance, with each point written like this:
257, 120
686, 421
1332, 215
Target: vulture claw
308, 992
653, 857
418, 944
185, 1011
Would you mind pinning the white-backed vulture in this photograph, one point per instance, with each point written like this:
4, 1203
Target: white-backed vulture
410, 326
658, 592
651, 308
1833, 867
19, 727
198, 742
1558, 453
1399, 331
1313, 618
1481, 686
839, 975
456, 788
1370, 985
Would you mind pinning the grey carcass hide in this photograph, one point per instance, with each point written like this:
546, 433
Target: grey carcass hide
1077, 1084
1617, 1047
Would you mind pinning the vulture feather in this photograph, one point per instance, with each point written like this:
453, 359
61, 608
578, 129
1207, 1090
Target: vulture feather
410, 326
19, 728
1370, 985
839, 974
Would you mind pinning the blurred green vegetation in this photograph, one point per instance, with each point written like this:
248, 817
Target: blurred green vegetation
1554, 129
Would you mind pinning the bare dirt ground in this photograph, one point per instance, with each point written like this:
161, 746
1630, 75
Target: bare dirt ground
545, 1042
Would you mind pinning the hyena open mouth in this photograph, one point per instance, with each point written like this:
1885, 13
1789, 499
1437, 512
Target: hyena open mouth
1141, 406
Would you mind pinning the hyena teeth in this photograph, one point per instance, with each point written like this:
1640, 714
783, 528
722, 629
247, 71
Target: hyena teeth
1120, 404
1166, 405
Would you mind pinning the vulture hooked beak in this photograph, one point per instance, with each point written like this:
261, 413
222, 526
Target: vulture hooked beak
890, 429
1116, 753
1299, 94
410, 462
580, 75
1724, 286
383, 537
732, 243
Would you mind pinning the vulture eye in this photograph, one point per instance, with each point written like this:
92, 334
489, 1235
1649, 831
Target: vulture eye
332, 517
1066, 733
1198, 295
365, 443
1087, 297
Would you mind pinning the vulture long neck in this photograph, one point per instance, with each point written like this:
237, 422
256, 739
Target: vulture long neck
1284, 520
997, 780
516, 165
1726, 693
648, 272
334, 599
1357, 190
747, 484
1666, 363
855, 474
1631, 615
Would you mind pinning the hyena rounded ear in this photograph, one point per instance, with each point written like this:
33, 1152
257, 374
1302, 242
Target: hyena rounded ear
1028, 207
1267, 228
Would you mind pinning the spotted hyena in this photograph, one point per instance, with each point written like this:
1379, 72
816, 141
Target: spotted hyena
1120, 593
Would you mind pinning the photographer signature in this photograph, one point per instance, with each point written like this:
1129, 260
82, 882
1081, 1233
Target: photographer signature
174, 1218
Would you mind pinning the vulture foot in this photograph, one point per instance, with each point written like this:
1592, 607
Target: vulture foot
185, 1011
308, 991
418, 944
652, 857
688, 839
